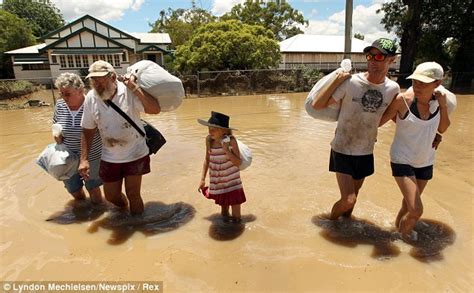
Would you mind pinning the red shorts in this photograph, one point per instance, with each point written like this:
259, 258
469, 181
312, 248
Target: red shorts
111, 172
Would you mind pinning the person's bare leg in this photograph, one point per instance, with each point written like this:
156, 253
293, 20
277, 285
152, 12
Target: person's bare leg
357, 186
133, 186
348, 195
402, 212
113, 193
225, 211
411, 195
236, 216
96, 195
79, 195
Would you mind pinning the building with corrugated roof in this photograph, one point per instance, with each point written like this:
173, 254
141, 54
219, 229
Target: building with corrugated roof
322, 52
75, 46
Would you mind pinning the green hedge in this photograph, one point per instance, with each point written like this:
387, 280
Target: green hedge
13, 89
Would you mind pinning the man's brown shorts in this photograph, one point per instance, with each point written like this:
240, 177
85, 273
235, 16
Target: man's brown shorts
111, 172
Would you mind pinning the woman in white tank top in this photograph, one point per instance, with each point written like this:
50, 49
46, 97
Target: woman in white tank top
412, 152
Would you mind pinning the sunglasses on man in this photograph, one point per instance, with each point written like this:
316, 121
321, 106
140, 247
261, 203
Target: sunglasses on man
377, 57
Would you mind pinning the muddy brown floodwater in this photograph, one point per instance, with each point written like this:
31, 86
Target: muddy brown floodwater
284, 243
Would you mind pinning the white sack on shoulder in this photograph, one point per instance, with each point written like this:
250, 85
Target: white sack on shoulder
330, 113
245, 155
58, 161
166, 88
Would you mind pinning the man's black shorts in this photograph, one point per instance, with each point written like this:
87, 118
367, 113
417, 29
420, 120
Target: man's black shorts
402, 170
358, 167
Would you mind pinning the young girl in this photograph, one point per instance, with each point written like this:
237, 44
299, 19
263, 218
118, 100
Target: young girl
223, 161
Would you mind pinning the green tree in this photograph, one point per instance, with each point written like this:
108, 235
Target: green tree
282, 19
228, 45
180, 24
15, 33
41, 15
432, 30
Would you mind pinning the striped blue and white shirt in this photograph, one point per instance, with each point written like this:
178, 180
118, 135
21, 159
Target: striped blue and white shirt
71, 123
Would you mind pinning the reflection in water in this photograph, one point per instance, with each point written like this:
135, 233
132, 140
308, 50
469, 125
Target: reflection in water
224, 231
78, 211
352, 232
157, 218
433, 237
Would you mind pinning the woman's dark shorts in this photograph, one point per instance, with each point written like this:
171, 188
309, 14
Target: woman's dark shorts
111, 172
358, 167
403, 170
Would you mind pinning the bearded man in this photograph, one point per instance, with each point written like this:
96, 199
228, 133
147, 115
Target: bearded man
125, 155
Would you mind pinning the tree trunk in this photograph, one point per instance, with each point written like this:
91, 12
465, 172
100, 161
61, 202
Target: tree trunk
408, 43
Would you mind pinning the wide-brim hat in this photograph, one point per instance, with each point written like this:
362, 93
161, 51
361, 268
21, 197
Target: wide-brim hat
100, 68
217, 120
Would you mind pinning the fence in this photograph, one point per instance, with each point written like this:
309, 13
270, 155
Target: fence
40, 91
248, 82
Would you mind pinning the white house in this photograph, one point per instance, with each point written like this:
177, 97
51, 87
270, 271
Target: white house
78, 44
321, 52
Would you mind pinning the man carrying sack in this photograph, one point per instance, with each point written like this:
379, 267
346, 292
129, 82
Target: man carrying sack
125, 155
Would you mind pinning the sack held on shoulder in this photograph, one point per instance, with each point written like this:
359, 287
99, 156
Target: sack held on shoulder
154, 139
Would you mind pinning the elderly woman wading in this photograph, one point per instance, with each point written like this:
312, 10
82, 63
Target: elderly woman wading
68, 113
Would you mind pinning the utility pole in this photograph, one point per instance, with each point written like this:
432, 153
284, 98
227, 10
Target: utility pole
348, 30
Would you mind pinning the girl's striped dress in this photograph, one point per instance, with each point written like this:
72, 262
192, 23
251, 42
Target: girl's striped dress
225, 185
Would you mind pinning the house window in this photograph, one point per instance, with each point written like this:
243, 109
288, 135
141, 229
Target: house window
85, 61
35, 67
54, 60
62, 61
124, 57
78, 61
70, 61
102, 57
109, 59
95, 58
117, 60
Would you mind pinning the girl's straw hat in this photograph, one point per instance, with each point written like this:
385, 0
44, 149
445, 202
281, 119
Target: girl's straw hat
218, 120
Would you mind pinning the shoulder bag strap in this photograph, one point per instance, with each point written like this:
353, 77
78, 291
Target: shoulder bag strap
125, 116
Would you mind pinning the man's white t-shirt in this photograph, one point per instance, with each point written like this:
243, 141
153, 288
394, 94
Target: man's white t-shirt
362, 105
121, 142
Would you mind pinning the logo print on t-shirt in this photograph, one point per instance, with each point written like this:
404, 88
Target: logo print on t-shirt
371, 101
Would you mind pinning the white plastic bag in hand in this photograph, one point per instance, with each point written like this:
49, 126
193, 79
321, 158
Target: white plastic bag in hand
330, 113
159, 83
58, 161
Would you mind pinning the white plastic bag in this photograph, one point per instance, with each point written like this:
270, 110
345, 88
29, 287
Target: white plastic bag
58, 161
245, 155
450, 99
330, 113
166, 88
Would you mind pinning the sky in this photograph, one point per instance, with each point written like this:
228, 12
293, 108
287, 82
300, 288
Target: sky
326, 17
